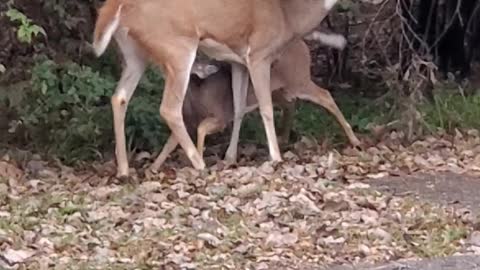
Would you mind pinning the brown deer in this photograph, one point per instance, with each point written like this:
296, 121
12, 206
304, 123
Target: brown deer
208, 106
249, 34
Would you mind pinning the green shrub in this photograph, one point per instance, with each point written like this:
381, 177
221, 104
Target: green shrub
27, 30
68, 111
144, 127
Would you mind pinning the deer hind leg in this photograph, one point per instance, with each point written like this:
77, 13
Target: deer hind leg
179, 61
167, 149
260, 74
240, 82
288, 116
131, 75
287, 105
322, 97
207, 126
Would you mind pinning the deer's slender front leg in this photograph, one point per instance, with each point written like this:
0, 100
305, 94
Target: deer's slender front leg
240, 81
260, 74
167, 149
177, 68
131, 75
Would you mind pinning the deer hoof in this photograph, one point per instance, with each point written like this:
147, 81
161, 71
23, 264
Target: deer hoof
356, 143
122, 173
153, 168
122, 177
200, 166
277, 159
229, 160
231, 157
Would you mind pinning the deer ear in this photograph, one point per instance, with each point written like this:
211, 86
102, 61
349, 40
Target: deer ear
211, 69
204, 70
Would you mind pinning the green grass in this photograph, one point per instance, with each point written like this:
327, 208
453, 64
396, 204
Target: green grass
314, 121
450, 111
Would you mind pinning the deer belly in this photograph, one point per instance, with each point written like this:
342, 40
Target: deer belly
219, 51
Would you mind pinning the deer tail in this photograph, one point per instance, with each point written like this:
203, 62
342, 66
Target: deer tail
107, 23
336, 41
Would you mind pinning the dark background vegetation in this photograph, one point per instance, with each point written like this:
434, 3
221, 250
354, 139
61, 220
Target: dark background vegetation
410, 65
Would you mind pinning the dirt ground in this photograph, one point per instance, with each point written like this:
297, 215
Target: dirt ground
449, 189
448, 263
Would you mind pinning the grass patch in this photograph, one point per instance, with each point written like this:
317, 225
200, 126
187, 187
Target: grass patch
314, 121
451, 110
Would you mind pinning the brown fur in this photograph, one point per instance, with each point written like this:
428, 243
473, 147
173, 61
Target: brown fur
250, 34
211, 99
105, 16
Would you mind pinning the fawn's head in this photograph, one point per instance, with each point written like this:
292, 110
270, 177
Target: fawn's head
204, 68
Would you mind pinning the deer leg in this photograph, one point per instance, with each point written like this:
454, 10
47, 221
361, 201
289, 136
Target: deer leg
322, 97
240, 81
207, 126
260, 74
167, 149
288, 116
177, 69
131, 75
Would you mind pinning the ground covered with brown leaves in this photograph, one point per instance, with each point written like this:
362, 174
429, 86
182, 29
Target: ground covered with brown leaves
314, 209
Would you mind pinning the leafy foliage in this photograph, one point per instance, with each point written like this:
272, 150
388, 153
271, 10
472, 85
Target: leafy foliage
27, 30
64, 109
68, 111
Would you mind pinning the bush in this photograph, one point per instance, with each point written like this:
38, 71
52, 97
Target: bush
68, 111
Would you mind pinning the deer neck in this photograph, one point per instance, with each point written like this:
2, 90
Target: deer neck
304, 15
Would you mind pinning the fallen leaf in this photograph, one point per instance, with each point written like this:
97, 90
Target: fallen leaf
142, 155
209, 238
13, 256
8, 170
277, 239
377, 175
475, 238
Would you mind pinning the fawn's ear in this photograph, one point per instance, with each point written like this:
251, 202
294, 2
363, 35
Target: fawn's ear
211, 69
204, 70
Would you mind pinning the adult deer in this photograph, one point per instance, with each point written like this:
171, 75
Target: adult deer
248, 33
208, 105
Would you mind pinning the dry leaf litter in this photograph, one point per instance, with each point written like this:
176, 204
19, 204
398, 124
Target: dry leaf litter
312, 209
